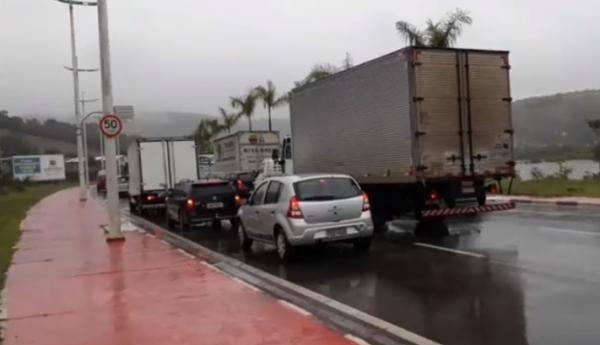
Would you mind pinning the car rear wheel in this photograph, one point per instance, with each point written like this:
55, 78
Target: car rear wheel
245, 241
183, 222
284, 249
362, 245
216, 224
169, 221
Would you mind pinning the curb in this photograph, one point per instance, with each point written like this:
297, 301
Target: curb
549, 201
338, 316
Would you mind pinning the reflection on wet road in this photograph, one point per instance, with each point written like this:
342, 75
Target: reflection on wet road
534, 277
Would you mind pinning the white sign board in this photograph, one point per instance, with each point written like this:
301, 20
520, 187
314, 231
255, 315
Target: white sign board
39, 168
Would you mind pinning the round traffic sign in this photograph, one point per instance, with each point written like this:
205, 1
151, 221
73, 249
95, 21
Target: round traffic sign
111, 125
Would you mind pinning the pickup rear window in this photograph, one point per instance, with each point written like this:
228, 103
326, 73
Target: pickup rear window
204, 191
329, 188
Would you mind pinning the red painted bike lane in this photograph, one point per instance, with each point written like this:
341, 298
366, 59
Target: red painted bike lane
66, 286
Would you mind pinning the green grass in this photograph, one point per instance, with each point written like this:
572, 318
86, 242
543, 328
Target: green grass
553, 187
13, 206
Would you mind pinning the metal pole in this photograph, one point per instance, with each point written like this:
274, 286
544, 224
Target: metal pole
85, 143
112, 188
82, 188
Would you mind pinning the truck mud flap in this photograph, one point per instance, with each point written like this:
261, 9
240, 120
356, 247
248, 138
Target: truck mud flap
451, 212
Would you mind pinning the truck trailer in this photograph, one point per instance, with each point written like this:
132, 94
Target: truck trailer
244, 151
421, 129
155, 166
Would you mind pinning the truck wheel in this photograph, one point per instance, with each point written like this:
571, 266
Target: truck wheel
362, 245
245, 241
284, 249
132, 208
481, 198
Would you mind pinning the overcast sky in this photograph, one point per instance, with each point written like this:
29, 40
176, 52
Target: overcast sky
191, 55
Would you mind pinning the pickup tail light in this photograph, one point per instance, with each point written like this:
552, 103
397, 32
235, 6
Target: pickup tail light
294, 210
190, 204
238, 200
366, 203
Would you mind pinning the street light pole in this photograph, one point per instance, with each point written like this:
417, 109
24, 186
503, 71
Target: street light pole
75, 66
85, 138
112, 187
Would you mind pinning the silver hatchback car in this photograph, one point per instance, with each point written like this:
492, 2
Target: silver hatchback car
297, 210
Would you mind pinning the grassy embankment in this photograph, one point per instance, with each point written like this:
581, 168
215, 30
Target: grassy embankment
13, 207
556, 187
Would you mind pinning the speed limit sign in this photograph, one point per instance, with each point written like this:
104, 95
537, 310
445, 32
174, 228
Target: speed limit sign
111, 125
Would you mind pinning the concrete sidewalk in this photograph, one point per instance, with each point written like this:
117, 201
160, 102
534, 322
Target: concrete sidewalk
564, 201
66, 286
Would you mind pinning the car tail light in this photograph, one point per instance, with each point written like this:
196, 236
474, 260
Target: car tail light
238, 200
294, 210
240, 184
434, 196
190, 204
366, 203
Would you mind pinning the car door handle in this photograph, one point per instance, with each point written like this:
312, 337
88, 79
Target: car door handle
272, 213
257, 212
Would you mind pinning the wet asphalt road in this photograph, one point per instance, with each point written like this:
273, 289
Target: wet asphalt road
527, 276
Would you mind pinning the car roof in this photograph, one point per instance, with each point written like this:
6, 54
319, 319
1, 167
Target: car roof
209, 182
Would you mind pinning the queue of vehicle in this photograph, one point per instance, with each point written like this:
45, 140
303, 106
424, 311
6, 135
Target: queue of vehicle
418, 132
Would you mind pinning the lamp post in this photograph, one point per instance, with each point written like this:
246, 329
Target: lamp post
85, 138
112, 192
75, 69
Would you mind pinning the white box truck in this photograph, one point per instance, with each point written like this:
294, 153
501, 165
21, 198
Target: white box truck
421, 129
244, 152
155, 166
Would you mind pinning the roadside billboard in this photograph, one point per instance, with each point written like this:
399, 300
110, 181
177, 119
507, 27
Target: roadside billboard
39, 168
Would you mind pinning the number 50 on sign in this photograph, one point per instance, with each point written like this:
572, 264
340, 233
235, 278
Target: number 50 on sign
111, 125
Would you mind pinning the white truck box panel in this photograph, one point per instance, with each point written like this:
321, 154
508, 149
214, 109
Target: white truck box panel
153, 165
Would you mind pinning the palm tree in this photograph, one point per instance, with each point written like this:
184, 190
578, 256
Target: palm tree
318, 72
268, 95
246, 105
229, 119
206, 131
441, 34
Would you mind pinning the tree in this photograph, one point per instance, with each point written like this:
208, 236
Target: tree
269, 98
206, 131
246, 105
318, 72
595, 126
229, 119
441, 34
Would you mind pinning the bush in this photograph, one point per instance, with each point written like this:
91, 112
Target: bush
563, 171
537, 173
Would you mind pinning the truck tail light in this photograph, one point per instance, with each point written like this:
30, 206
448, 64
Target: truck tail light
434, 196
190, 204
240, 184
294, 210
238, 200
151, 197
366, 203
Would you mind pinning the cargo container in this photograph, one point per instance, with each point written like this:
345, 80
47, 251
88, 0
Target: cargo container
244, 151
155, 166
421, 129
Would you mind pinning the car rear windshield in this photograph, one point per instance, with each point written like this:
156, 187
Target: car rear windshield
208, 190
248, 180
329, 188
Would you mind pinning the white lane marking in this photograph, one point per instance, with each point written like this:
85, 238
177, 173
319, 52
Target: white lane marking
214, 268
356, 340
165, 242
577, 232
444, 249
150, 235
251, 287
183, 252
294, 307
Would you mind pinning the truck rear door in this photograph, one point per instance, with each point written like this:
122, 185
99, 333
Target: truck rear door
463, 113
489, 113
438, 113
